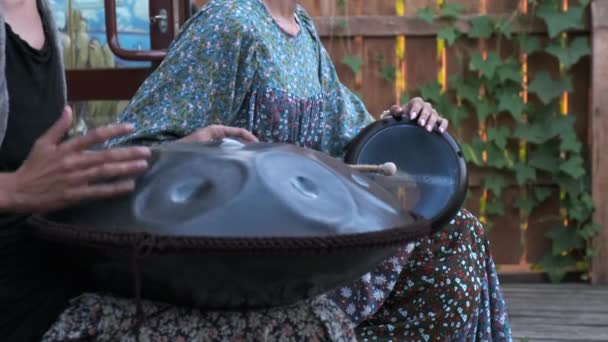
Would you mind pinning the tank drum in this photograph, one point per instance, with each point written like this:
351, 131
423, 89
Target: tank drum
225, 225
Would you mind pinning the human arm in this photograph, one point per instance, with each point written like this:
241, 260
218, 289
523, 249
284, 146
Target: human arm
202, 82
60, 173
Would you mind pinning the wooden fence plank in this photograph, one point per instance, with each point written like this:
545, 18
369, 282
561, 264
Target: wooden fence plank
599, 128
409, 25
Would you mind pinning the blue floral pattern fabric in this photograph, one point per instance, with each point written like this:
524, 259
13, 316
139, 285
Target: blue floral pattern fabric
232, 64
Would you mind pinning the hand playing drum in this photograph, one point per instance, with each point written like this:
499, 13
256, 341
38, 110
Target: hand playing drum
218, 132
423, 111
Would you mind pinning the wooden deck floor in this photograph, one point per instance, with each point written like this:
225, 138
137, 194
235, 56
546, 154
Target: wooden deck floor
541, 312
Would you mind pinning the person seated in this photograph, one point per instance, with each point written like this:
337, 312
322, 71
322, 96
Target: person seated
257, 69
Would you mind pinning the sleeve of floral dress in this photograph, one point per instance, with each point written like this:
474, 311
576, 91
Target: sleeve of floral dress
346, 114
202, 81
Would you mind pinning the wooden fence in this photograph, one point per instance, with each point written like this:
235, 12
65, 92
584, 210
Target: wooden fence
388, 31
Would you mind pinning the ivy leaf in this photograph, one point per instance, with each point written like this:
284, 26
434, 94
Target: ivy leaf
534, 133
388, 72
524, 173
561, 124
469, 90
488, 66
557, 266
495, 183
545, 158
455, 114
570, 143
431, 92
472, 151
495, 207
481, 27
451, 10
573, 167
530, 44
499, 136
450, 34
406, 97
572, 53
353, 62
505, 27
589, 230
580, 208
565, 239
558, 21
542, 114
498, 158
525, 204
510, 71
547, 88
483, 108
512, 103
542, 193
427, 14
573, 186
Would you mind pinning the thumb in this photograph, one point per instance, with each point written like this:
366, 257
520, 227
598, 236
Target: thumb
55, 134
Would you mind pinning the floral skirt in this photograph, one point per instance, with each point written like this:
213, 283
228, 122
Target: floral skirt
441, 288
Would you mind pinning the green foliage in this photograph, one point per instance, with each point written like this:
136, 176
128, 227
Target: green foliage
553, 150
451, 10
570, 54
558, 21
547, 88
487, 66
387, 71
529, 44
481, 27
450, 34
565, 239
353, 62
557, 266
495, 184
427, 14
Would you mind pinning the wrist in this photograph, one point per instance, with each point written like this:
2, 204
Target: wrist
8, 192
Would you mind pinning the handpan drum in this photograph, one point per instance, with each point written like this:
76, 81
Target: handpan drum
230, 226
431, 180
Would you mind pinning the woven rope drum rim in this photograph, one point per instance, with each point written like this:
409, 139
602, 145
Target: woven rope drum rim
44, 228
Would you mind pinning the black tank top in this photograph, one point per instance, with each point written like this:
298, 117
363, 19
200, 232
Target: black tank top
34, 85
32, 294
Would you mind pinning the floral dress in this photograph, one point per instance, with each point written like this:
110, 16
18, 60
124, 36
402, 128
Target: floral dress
232, 64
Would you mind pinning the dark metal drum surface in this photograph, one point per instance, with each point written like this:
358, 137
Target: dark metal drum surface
432, 175
226, 226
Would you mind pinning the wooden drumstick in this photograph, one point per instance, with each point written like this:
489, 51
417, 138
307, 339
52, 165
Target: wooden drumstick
387, 169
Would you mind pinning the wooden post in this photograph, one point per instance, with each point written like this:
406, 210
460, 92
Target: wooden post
599, 135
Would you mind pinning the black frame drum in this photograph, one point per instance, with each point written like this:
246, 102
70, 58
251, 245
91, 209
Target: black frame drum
432, 176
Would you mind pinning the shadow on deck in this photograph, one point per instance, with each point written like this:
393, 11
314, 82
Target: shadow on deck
566, 312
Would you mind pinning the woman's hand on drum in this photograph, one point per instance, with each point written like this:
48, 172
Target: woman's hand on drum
60, 173
423, 112
218, 132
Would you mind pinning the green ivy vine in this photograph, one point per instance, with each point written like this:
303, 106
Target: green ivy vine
530, 144
533, 143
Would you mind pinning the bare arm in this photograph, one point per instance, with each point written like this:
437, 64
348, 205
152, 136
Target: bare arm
58, 174
7, 189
